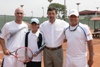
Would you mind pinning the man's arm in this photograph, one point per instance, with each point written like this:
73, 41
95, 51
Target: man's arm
65, 40
91, 53
2, 43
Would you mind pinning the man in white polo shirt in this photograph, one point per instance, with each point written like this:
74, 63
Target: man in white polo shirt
78, 37
12, 37
53, 32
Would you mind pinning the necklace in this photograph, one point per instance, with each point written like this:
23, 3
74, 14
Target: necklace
73, 29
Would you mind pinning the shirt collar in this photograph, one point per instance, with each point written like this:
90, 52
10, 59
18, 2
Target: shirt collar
36, 34
53, 22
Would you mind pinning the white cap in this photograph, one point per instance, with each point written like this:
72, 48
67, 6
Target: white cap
35, 20
73, 12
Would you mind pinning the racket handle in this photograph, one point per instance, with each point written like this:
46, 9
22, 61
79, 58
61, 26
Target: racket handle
40, 49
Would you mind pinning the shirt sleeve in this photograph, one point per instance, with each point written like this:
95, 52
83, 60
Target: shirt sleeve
4, 32
88, 33
65, 24
41, 28
43, 40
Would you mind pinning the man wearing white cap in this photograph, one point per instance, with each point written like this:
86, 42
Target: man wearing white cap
34, 43
78, 38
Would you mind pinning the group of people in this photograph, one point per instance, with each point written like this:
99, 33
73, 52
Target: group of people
53, 32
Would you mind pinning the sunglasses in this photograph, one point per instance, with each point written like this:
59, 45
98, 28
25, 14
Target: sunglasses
19, 13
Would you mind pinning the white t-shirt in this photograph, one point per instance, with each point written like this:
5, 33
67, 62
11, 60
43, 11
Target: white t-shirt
53, 33
77, 40
13, 34
32, 44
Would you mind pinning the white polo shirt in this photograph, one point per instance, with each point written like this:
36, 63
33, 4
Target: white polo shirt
53, 33
76, 40
13, 39
32, 44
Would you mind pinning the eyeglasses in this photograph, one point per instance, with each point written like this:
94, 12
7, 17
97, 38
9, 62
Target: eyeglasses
19, 13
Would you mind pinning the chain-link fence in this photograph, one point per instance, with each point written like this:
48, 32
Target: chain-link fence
6, 18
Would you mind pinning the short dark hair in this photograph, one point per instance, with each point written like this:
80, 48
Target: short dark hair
51, 9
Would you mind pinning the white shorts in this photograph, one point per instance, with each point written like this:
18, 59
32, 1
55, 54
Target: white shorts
12, 62
76, 62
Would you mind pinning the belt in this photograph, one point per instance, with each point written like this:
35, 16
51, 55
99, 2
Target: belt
54, 48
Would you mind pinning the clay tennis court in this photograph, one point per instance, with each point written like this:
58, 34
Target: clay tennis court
96, 45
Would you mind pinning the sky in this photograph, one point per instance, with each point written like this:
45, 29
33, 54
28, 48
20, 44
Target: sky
7, 7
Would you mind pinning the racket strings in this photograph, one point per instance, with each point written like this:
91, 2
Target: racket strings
24, 54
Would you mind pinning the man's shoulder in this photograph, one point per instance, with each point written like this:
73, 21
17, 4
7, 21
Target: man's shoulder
9, 23
25, 23
61, 21
84, 26
45, 22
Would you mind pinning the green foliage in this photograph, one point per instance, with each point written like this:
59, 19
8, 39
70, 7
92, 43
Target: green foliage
58, 6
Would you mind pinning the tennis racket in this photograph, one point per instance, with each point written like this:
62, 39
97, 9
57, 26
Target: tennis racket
39, 50
23, 54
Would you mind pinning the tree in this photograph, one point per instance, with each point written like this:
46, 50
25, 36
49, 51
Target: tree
60, 9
